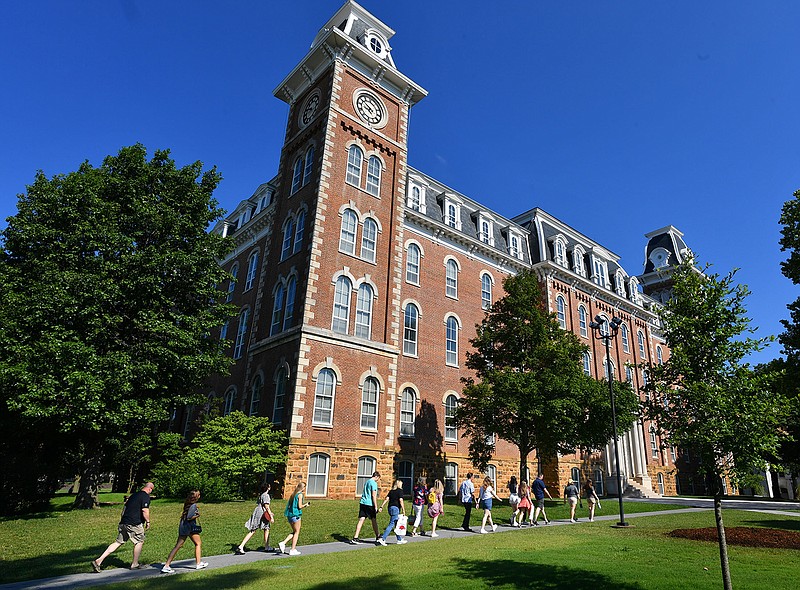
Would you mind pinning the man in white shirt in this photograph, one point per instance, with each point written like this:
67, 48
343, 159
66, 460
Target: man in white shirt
466, 495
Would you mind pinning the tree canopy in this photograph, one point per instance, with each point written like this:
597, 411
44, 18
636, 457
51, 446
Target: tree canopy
529, 386
110, 296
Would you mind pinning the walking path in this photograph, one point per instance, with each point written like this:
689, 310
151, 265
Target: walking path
110, 576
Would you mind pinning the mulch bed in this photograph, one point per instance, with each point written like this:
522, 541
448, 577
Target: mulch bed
747, 536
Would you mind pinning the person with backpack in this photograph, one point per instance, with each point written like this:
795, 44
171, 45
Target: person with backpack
419, 498
435, 504
485, 502
513, 499
571, 494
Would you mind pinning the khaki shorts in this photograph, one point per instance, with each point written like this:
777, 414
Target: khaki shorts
572, 500
130, 532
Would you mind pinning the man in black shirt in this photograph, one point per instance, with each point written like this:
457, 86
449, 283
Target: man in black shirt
134, 522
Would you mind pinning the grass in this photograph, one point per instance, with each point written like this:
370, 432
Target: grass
579, 557
63, 541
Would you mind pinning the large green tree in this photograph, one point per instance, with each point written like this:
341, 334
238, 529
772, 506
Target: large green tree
529, 386
108, 302
706, 397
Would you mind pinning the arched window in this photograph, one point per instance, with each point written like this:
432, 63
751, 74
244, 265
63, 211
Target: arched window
451, 279
653, 443
374, 176
405, 473
229, 401
369, 236
408, 412
232, 282
598, 482
410, 320
450, 479
642, 354
659, 356
309, 166
559, 253
412, 264
513, 246
491, 472
661, 483
288, 236
223, 331
610, 369
255, 394
280, 394
587, 366
366, 467
364, 311
582, 321
347, 237
252, 270
369, 404
323, 398
575, 475
299, 229
317, 475
628, 374
485, 229
291, 289
561, 313
486, 291
450, 405
241, 333
451, 218
626, 345
341, 305
414, 199
354, 159
451, 337
297, 176
277, 310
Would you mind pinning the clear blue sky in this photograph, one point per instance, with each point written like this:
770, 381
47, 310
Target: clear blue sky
618, 117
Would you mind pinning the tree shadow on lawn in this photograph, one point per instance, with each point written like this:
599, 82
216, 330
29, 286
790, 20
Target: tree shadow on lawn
385, 582
220, 581
517, 574
48, 565
790, 524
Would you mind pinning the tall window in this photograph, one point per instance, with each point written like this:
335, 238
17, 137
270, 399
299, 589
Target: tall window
405, 473
628, 374
366, 467
317, 475
232, 282
653, 443
486, 291
587, 367
297, 176
450, 405
410, 319
626, 345
451, 218
280, 394
309, 166
610, 370
485, 231
577, 258
513, 246
229, 401
412, 264
369, 404
241, 332
598, 482
582, 321
561, 313
575, 474
288, 236
323, 398
659, 356
451, 335
661, 483
223, 331
255, 395
408, 412
414, 199
559, 253
640, 336
374, 176
451, 279
450, 479
288, 316
341, 305
599, 268
491, 472
369, 235
354, 159
364, 311
347, 238
277, 310
299, 229
252, 270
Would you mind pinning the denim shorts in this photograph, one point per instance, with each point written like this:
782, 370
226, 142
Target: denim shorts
486, 504
293, 519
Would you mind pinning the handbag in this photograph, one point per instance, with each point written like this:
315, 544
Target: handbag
401, 527
195, 529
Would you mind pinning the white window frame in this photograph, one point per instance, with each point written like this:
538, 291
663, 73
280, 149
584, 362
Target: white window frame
232, 282
620, 280
297, 175
560, 251
340, 321
514, 244
370, 399
486, 229
626, 343
451, 278
369, 239
410, 330
255, 394
642, 349
486, 290
363, 325
450, 405
450, 479
413, 266
653, 443
348, 232
252, 271
280, 396
324, 394
452, 327
578, 261
291, 294
587, 363
366, 467
582, 321
278, 302
374, 168
315, 475
355, 162
299, 229
599, 482
309, 165
408, 412
241, 333
561, 311
288, 237
659, 356
599, 271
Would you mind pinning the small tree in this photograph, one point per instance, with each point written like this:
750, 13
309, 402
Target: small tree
705, 397
529, 386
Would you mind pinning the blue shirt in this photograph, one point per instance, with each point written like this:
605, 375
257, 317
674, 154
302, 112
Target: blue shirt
467, 491
366, 495
538, 488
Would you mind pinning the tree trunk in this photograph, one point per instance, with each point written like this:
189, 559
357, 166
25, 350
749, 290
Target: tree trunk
523, 465
89, 484
723, 543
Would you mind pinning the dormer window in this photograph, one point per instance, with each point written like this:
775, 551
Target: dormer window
485, 229
633, 289
579, 265
376, 43
452, 213
599, 271
620, 283
416, 196
560, 251
514, 244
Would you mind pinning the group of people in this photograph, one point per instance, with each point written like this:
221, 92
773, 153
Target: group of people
524, 499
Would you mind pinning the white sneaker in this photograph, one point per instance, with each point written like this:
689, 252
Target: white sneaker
402, 542
282, 547
167, 570
380, 541
494, 527
572, 520
591, 520
294, 552
434, 534
484, 531
201, 566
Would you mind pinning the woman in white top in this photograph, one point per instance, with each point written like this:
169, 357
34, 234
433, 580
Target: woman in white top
485, 502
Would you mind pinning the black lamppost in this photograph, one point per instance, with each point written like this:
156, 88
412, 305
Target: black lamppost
606, 336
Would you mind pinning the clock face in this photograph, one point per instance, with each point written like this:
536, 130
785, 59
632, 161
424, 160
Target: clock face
310, 109
370, 109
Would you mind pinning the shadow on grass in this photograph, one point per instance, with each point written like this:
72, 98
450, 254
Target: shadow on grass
386, 582
519, 574
220, 581
790, 524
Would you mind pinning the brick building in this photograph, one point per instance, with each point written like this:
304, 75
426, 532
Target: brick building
360, 281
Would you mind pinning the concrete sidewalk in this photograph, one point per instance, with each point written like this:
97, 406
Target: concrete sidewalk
186, 566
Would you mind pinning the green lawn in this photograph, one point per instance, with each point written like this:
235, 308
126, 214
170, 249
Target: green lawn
64, 541
578, 557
